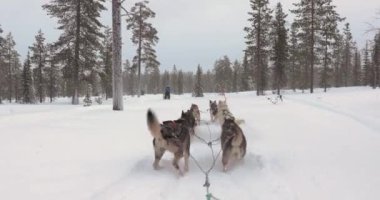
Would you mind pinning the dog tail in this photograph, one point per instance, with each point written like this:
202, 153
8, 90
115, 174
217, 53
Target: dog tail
153, 124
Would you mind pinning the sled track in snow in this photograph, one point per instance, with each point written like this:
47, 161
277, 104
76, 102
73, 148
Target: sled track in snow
367, 122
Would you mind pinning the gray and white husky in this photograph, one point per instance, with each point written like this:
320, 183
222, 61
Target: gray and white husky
172, 136
223, 113
233, 142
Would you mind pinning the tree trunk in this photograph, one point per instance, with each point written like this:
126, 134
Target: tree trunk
116, 56
258, 56
324, 78
40, 78
312, 47
139, 55
75, 98
10, 78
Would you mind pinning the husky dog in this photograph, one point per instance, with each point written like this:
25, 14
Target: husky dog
172, 136
225, 113
213, 110
197, 114
233, 142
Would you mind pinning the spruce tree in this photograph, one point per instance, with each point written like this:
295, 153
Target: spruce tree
2, 70
367, 71
280, 48
10, 65
38, 58
27, 82
52, 72
307, 18
106, 62
294, 69
338, 59
180, 82
245, 74
198, 87
376, 61
236, 78
347, 55
223, 74
257, 40
357, 72
144, 35
174, 80
328, 34
165, 80
79, 22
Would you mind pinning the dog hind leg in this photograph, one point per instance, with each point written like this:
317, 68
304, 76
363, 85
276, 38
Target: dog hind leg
158, 153
177, 157
225, 159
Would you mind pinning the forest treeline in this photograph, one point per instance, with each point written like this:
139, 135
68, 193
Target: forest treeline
316, 49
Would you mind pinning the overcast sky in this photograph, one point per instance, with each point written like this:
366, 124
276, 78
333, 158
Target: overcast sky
191, 32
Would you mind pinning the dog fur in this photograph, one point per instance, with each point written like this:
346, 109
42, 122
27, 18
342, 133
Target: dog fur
233, 142
225, 113
172, 136
213, 110
197, 114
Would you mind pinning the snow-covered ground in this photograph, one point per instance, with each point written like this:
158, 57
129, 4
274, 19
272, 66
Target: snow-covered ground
319, 146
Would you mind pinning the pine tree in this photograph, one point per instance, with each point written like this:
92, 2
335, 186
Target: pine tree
245, 74
144, 35
223, 74
294, 59
357, 72
173, 80
106, 62
236, 76
165, 80
280, 48
376, 62
2, 70
307, 19
347, 55
258, 41
367, 71
10, 64
52, 73
155, 80
180, 82
338, 59
328, 32
208, 82
38, 58
198, 87
27, 82
79, 21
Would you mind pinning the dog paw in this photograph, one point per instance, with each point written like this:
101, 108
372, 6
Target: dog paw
156, 166
225, 169
180, 173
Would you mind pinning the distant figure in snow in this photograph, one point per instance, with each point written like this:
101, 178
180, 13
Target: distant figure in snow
167, 93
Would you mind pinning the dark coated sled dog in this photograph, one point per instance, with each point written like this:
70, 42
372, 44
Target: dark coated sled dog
197, 114
233, 142
172, 136
213, 110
